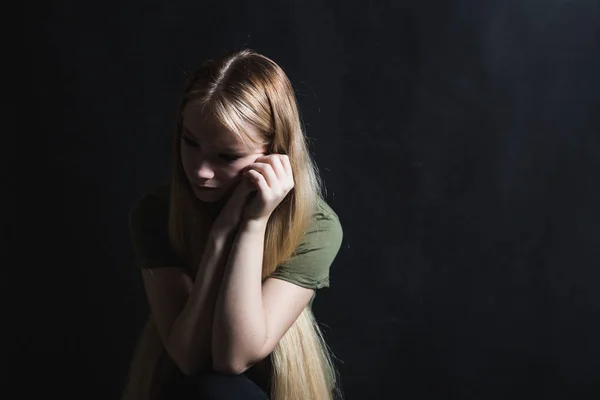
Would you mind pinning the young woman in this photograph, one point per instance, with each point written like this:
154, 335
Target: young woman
232, 250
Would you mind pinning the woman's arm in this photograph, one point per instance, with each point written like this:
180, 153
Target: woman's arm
251, 317
239, 326
190, 338
189, 341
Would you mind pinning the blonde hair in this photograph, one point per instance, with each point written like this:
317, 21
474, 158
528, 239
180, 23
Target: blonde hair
241, 89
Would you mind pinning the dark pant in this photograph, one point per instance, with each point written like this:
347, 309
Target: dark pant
213, 386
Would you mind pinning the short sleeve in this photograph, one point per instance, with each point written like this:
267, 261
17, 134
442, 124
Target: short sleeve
310, 265
148, 226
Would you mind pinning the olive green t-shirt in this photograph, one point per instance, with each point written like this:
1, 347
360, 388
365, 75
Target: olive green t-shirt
309, 267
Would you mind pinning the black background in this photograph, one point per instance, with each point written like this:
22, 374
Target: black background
460, 146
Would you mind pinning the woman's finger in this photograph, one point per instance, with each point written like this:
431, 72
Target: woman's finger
266, 170
259, 180
278, 167
287, 165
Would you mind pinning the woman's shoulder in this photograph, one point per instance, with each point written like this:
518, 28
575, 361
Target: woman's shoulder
152, 203
325, 217
325, 227
309, 265
149, 229
325, 211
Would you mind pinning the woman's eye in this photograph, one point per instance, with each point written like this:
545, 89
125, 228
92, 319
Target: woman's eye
229, 158
225, 157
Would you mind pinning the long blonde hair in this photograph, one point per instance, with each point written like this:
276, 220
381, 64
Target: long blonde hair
244, 88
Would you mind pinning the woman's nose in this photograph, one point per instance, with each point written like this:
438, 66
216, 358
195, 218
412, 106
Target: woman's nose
204, 170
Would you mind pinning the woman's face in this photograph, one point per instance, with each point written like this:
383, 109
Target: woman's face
212, 155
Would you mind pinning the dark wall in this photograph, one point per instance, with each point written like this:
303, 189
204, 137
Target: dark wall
459, 142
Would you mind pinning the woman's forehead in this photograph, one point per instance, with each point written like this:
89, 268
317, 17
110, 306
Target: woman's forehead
194, 120
207, 126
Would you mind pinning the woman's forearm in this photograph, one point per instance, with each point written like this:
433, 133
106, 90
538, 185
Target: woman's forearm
191, 335
239, 327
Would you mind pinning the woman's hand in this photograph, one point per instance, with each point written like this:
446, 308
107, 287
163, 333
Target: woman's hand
230, 215
273, 179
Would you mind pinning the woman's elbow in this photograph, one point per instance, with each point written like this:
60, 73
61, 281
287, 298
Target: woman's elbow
188, 366
186, 369
191, 370
231, 362
230, 367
